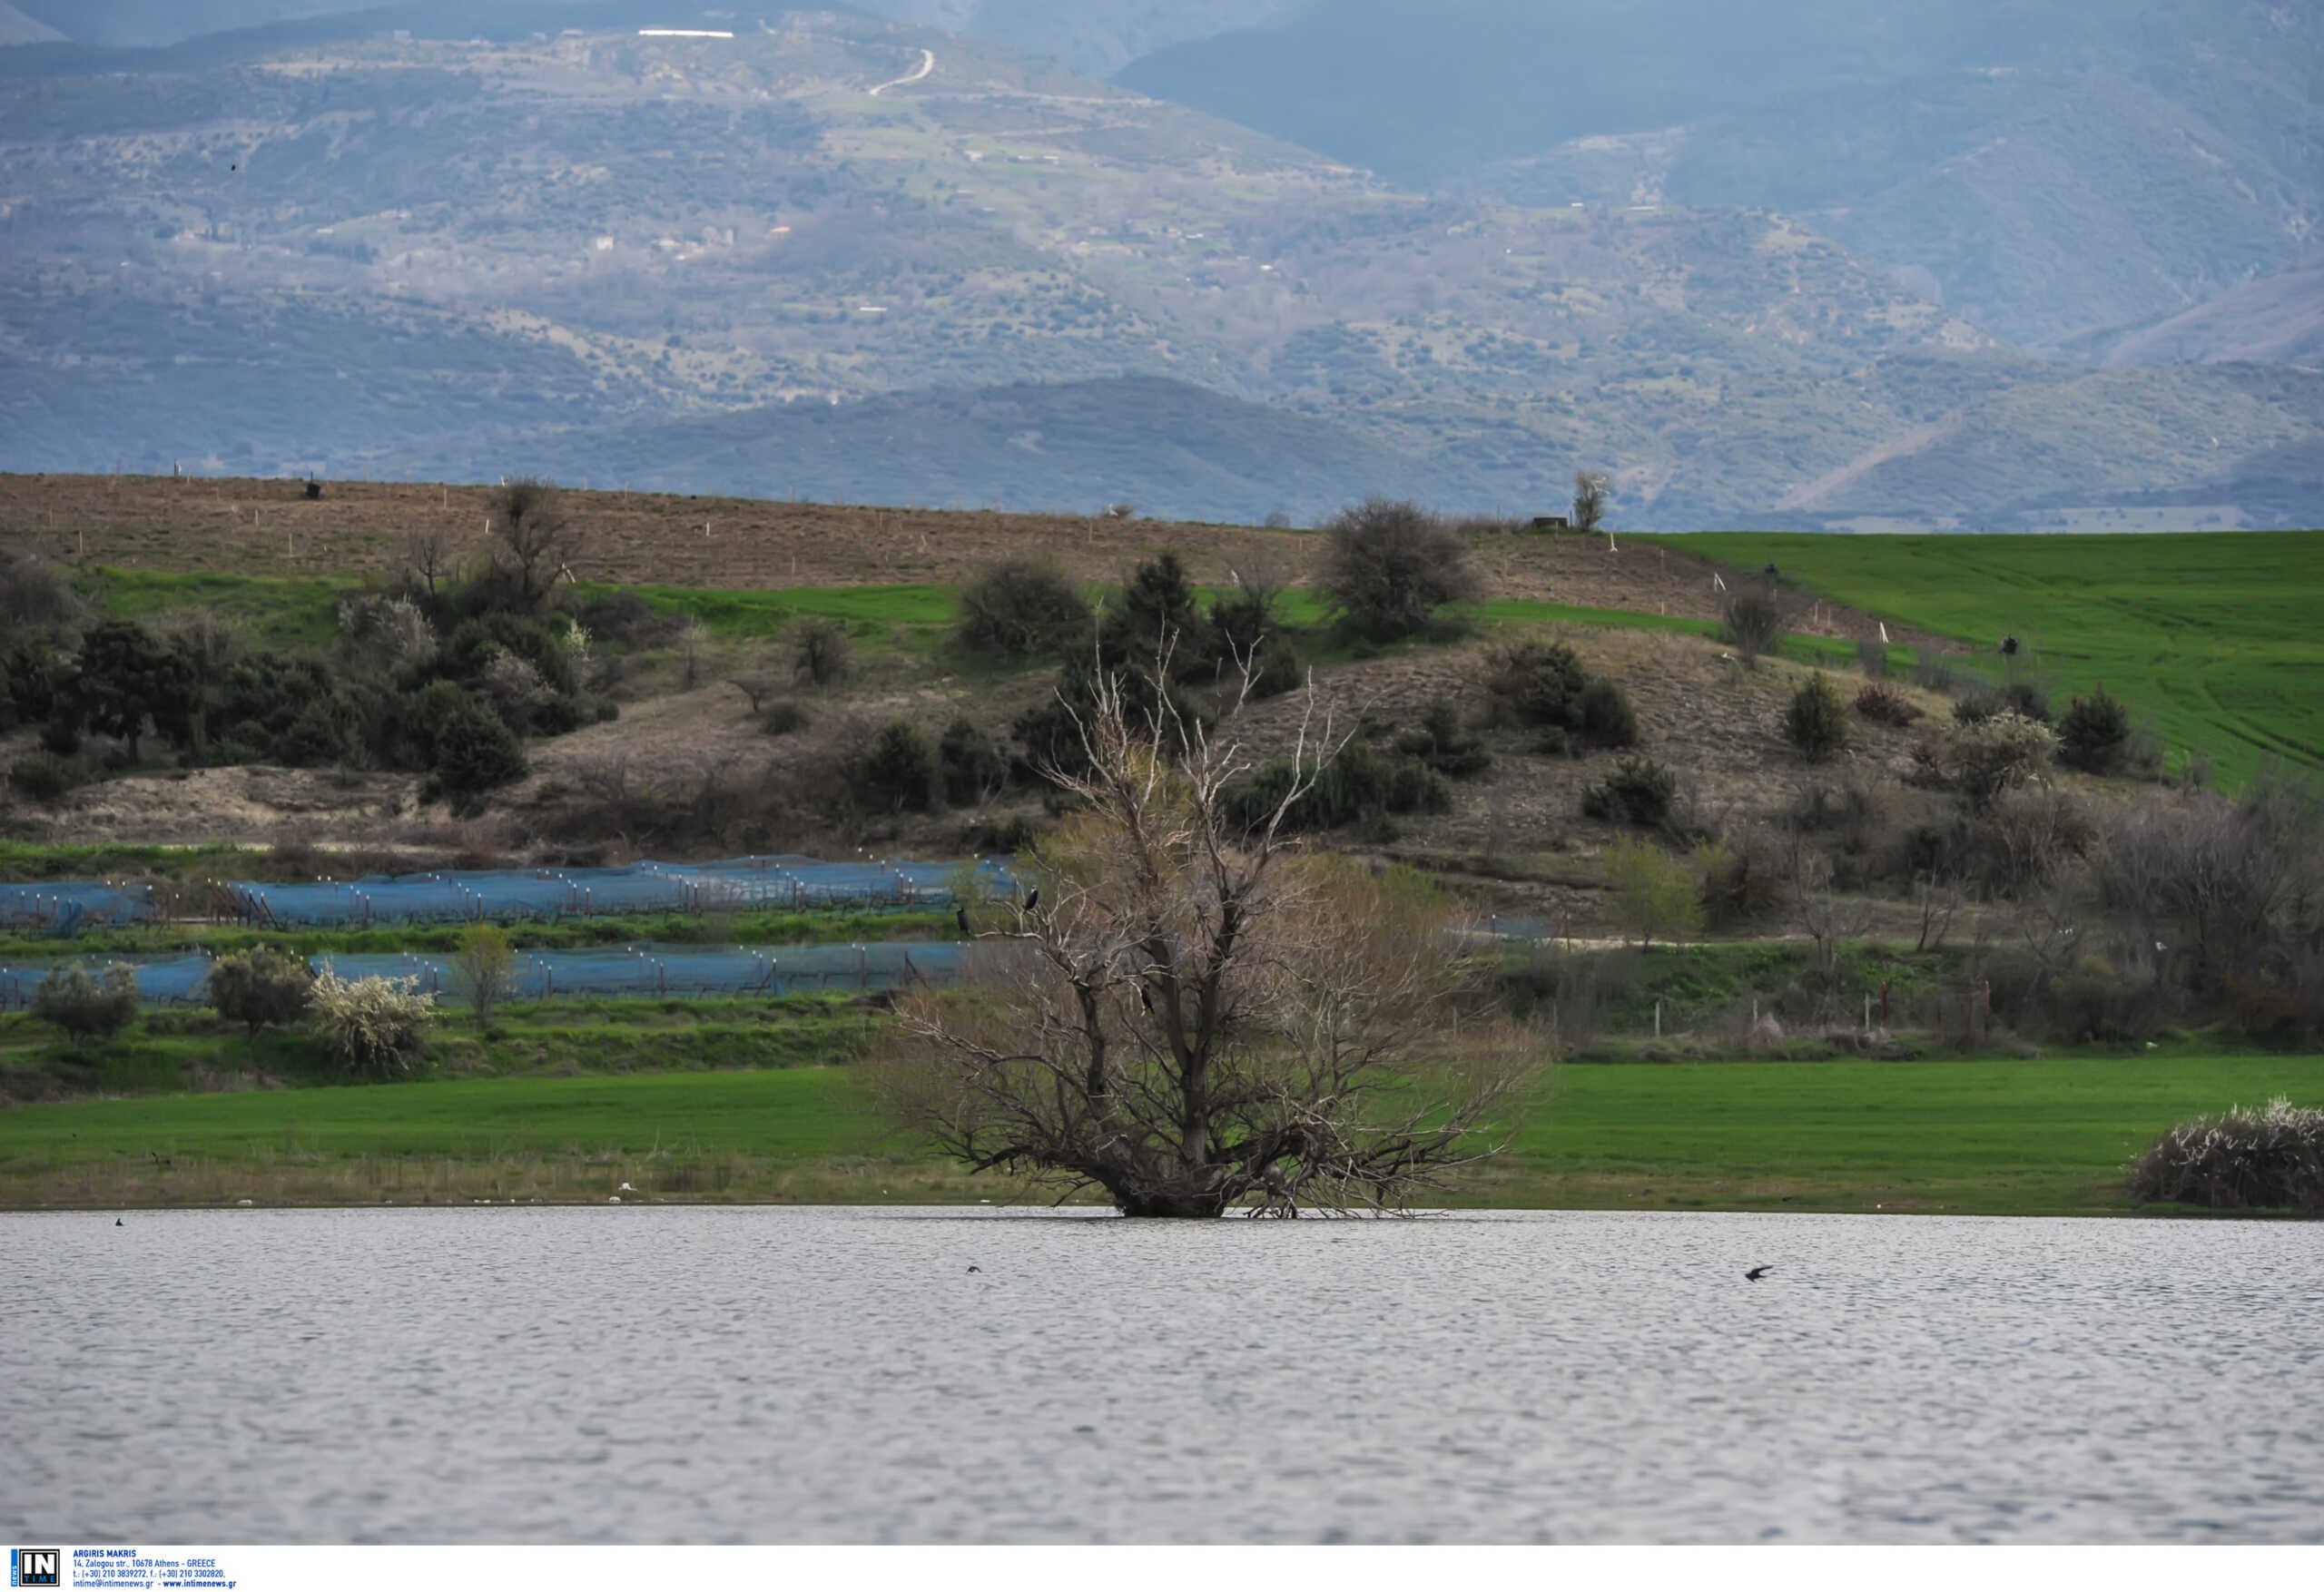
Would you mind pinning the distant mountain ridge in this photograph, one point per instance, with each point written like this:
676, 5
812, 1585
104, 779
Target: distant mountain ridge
322, 246
2048, 166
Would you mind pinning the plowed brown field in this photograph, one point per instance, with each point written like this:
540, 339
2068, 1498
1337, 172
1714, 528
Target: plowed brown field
243, 526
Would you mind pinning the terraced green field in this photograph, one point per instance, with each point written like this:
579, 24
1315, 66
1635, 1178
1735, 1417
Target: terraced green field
2220, 635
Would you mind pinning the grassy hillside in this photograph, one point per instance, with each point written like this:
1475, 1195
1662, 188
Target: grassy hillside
2217, 633
2006, 1137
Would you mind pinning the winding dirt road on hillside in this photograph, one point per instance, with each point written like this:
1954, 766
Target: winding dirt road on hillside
926, 65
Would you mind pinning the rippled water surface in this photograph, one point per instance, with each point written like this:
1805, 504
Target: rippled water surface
770, 1375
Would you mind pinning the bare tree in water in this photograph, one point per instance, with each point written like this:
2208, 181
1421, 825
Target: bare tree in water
1194, 1014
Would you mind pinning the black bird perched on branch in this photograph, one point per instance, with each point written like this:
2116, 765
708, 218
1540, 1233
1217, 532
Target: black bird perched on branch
1756, 1272
961, 916
1033, 899
1145, 999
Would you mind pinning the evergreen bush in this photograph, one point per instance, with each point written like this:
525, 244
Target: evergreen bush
1814, 722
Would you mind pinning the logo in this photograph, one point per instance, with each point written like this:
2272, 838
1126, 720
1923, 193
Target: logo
34, 1566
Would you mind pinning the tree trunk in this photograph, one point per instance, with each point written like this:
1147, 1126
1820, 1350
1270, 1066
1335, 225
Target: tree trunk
1170, 1202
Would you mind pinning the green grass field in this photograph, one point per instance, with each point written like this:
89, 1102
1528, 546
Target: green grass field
2003, 1137
2217, 635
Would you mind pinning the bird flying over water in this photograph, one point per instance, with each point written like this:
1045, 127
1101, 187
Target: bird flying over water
1756, 1272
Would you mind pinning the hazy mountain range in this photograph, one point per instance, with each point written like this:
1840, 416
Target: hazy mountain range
1983, 264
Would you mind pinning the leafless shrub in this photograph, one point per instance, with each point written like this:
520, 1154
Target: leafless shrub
427, 558
1197, 1017
1930, 673
1884, 704
820, 654
2026, 836
693, 646
1752, 622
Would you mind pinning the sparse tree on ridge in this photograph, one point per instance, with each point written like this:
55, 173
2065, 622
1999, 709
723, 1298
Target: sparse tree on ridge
537, 543
1589, 493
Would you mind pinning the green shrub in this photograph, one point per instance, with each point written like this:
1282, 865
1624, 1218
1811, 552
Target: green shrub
260, 988
1443, 745
87, 1008
2243, 1160
970, 765
1391, 565
783, 718
1636, 791
1604, 716
1535, 682
35, 678
41, 776
1022, 608
2095, 735
469, 750
1653, 892
898, 773
371, 1028
1158, 610
1244, 617
1552, 741
1884, 704
477, 645
484, 969
1814, 722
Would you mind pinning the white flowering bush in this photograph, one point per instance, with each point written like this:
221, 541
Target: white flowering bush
374, 1027
390, 632
1992, 754
2270, 1158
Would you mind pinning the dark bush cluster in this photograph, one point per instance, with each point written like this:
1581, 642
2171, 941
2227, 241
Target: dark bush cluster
1636, 791
1443, 745
1884, 704
1543, 685
1360, 785
2094, 734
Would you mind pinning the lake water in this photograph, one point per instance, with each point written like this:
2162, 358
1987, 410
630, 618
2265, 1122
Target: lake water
773, 1375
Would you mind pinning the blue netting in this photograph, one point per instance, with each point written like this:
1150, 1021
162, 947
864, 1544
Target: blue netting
510, 896
748, 883
71, 905
673, 970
